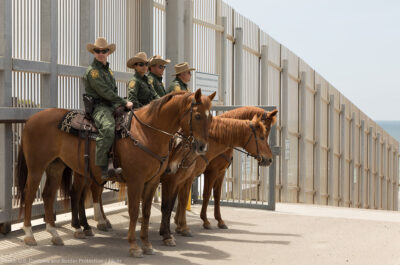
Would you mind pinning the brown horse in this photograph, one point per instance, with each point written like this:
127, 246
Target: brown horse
44, 146
224, 133
215, 171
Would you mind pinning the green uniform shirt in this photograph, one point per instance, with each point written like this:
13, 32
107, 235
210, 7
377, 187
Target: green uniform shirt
100, 84
157, 84
177, 85
140, 92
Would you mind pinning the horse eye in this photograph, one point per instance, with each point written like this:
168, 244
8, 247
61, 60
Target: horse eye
262, 138
197, 116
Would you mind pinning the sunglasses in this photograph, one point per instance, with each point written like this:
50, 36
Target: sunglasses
161, 66
141, 64
101, 51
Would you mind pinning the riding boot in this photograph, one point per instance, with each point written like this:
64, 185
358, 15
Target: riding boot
113, 172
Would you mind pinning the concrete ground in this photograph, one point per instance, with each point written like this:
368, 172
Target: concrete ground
293, 234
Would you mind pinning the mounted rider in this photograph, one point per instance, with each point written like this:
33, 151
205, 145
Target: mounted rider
140, 92
100, 87
156, 70
182, 77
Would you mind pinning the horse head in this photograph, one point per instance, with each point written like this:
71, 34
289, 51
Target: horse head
257, 143
196, 120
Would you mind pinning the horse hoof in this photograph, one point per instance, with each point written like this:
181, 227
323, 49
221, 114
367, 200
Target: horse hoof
57, 241
207, 226
222, 226
88, 232
140, 220
170, 242
30, 241
102, 227
137, 253
185, 233
79, 235
109, 226
148, 250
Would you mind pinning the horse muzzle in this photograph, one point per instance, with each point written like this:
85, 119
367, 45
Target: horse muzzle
265, 162
199, 147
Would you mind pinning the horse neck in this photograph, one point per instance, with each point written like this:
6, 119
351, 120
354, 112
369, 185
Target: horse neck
242, 113
230, 132
167, 119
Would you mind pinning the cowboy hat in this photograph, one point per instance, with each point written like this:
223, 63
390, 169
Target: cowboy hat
182, 67
157, 59
139, 57
100, 43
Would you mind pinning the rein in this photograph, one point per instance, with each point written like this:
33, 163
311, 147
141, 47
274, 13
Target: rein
255, 137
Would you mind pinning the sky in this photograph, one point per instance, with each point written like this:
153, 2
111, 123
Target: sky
353, 44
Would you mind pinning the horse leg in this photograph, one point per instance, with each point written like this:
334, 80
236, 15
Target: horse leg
148, 193
168, 197
76, 194
32, 184
87, 229
208, 183
108, 223
135, 189
97, 207
80, 211
53, 180
217, 190
180, 217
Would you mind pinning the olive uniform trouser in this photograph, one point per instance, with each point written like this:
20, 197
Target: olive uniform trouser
103, 117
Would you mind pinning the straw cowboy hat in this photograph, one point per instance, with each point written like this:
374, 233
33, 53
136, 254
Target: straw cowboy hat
157, 59
100, 43
182, 67
140, 57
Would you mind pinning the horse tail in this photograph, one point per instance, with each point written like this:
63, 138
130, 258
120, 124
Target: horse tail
21, 176
66, 184
122, 191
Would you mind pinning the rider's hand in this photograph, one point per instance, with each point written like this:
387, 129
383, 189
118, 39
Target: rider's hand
129, 105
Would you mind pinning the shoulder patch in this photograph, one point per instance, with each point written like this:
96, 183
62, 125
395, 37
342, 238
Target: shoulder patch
163, 84
151, 81
111, 72
177, 88
94, 73
132, 84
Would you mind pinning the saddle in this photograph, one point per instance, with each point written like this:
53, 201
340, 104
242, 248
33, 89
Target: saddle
76, 123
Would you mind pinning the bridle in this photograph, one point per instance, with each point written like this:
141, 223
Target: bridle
257, 156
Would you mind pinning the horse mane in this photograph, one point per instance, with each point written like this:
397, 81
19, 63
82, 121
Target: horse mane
156, 105
224, 130
247, 113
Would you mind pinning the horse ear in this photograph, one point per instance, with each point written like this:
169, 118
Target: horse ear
197, 95
272, 115
256, 120
211, 97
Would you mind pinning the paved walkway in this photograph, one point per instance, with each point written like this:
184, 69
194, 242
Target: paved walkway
293, 234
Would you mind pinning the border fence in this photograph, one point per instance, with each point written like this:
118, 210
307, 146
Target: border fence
331, 152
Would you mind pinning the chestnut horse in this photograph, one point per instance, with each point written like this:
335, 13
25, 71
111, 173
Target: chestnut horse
215, 172
44, 146
224, 134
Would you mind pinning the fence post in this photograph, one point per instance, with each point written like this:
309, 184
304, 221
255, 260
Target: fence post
317, 145
238, 85
396, 177
86, 35
370, 176
379, 171
48, 52
304, 190
272, 172
146, 27
331, 153
264, 76
175, 35
352, 175
344, 185
223, 56
6, 134
284, 129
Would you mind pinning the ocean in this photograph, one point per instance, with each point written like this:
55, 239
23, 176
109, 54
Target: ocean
392, 127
